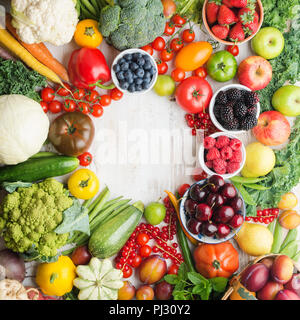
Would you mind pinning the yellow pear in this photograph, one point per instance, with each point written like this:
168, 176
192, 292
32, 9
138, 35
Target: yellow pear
260, 160
254, 239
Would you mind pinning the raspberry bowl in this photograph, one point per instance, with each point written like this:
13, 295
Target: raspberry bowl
212, 210
242, 112
223, 154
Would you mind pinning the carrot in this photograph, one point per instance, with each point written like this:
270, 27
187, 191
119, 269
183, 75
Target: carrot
14, 46
40, 52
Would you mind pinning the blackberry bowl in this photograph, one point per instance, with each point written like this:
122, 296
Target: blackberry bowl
134, 71
234, 109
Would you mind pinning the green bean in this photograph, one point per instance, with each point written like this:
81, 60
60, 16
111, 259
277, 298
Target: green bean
271, 226
89, 7
291, 249
186, 252
244, 193
96, 6
243, 180
86, 13
99, 205
291, 236
296, 256
277, 239
92, 206
256, 186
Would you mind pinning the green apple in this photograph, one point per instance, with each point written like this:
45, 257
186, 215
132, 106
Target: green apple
287, 100
155, 213
268, 43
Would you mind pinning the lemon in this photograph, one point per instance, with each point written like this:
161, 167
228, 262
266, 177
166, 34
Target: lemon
254, 239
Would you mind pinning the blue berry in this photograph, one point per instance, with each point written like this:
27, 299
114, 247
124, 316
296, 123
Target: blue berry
116, 68
133, 66
131, 88
138, 87
147, 65
128, 57
147, 75
152, 71
138, 81
122, 60
124, 85
140, 73
124, 66
146, 80
145, 85
136, 55
120, 75
140, 62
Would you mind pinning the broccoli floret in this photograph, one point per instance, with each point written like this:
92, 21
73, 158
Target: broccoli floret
109, 20
137, 23
30, 216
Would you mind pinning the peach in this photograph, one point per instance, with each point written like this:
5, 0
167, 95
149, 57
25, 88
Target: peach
269, 291
144, 293
282, 269
289, 219
127, 292
152, 269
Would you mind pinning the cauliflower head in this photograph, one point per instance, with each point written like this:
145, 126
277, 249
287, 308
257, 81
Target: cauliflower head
37, 21
131, 23
30, 215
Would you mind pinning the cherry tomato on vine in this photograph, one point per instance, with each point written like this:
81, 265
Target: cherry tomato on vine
44, 106
69, 105
178, 20
234, 50
116, 94
142, 239
145, 251
136, 261
176, 44
159, 44
178, 75
92, 96
97, 110
55, 106
173, 269
201, 72
127, 272
83, 107
64, 91
182, 189
148, 49
47, 94
169, 28
78, 93
85, 159
162, 67
105, 100
188, 35
166, 55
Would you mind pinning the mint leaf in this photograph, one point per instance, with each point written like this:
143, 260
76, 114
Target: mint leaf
197, 278
171, 279
219, 284
182, 271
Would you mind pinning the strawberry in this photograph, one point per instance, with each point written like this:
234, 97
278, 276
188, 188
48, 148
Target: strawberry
237, 33
249, 19
239, 3
220, 32
227, 3
212, 10
226, 16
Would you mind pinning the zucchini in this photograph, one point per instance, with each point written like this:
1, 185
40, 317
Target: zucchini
38, 169
110, 237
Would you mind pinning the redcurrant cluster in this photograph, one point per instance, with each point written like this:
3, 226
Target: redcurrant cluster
200, 121
265, 216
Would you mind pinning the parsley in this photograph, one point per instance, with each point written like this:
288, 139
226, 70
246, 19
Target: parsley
16, 78
193, 286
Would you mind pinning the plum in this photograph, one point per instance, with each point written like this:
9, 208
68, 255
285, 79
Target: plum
163, 291
152, 269
269, 291
255, 277
144, 293
127, 292
282, 269
294, 284
287, 295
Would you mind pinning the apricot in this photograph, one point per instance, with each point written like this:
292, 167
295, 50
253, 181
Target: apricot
152, 269
127, 292
288, 201
144, 293
289, 219
269, 291
282, 269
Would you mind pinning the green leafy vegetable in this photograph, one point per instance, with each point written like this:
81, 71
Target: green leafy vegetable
11, 187
190, 8
15, 78
246, 196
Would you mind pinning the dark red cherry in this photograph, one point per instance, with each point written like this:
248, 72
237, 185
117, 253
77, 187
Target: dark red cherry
194, 226
190, 206
228, 191
236, 204
236, 221
223, 214
223, 230
198, 193
209, 228
215, 183
215, 200
203, 212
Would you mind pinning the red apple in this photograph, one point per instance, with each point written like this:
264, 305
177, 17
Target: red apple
255, 73
272, 128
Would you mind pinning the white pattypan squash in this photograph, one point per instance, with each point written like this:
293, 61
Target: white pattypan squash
98, 280
23, 128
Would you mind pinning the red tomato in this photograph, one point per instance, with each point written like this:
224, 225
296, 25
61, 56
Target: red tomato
145, 251
81, 255
78, 93
97, 110
85, 159
148, 49
105, 100
201, 72
83, 107
169, 28
234, 50
178, 74
166, 55
178, 20
173, 269
162, 67
64, 91
92, 96
44, 106
142, 239
127, 272
55, 106
199, 174
182, 189
116, 94
159, 44
47, 94
193, 94
136, 261
176, 44
69, 105
188, 35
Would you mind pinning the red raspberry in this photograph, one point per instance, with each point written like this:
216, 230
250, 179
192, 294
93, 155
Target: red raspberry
222, 141
226, 153
209, 164
209, 142
213, 154
232, 166
219, 166
235, 144
237, 156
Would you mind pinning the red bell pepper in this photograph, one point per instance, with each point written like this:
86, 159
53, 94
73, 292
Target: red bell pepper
88, 68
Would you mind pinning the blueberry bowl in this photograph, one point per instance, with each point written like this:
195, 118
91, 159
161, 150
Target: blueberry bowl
134, 71
201, 233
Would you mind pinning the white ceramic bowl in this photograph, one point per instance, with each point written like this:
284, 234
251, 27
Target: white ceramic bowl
209, 171
212, 104
121, 55
201, 237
